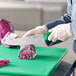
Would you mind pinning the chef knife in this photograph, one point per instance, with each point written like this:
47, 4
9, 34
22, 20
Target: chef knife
35, 39
41, 39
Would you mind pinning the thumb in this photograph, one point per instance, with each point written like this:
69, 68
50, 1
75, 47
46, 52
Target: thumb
51, 36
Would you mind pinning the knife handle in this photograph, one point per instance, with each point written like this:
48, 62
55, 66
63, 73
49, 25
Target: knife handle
50, 43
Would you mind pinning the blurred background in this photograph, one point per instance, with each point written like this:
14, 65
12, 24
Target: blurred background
27, 14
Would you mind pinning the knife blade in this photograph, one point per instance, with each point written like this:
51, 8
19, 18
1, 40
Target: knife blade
35, 39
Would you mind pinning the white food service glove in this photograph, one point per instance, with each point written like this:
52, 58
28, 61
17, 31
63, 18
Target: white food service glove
36, 30
61, 32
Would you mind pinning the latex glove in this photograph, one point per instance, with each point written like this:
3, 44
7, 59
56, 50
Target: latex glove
36, 30
61, 32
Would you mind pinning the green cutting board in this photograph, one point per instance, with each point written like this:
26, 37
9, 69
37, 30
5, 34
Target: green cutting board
43, 64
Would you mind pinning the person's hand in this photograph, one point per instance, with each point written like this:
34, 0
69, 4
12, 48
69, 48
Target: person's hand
36, 30
61, 32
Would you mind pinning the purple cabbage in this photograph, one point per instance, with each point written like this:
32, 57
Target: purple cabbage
27, 52
5, 26
3, 62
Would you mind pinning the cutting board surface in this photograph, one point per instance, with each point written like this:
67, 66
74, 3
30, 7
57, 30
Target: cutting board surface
42, 65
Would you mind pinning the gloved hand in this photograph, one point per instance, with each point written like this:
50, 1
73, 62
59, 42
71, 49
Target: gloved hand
61, 32
36, 30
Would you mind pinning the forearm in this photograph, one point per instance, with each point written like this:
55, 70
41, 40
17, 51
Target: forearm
64, 19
